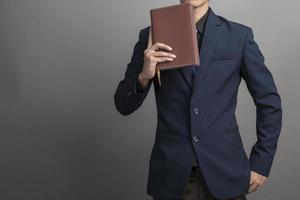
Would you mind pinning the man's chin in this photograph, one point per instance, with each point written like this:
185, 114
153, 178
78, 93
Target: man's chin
190, 2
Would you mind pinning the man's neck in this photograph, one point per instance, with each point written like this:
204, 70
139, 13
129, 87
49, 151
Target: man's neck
200, 11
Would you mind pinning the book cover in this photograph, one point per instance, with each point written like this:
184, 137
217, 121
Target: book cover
175, 26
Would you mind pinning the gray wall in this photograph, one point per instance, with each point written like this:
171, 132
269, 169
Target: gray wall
61, 60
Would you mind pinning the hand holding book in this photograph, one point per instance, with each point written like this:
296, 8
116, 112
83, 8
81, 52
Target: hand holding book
153, 55
175, 25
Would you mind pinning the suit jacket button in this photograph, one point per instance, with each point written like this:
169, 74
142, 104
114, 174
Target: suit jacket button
196, 111
196, 139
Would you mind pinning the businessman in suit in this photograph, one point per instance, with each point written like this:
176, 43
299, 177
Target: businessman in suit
198, 153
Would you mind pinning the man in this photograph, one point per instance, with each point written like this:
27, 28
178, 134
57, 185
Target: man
198, 153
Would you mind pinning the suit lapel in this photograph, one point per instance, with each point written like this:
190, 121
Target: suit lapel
187, 74
209, 42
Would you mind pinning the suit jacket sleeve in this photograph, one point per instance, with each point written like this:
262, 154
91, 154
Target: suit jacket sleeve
129, 95
261, 86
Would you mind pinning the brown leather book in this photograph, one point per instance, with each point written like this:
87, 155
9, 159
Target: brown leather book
175, 26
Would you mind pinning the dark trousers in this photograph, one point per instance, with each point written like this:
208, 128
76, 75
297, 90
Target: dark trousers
196, 188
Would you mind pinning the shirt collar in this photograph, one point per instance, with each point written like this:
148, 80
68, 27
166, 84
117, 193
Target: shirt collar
201, 23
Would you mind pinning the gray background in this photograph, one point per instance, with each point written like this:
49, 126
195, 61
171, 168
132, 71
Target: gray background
61, 60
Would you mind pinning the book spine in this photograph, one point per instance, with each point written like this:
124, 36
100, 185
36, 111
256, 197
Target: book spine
152, 26
195, 35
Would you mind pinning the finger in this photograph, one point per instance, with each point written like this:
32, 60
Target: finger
256, 187
254, 178
259, 180
163, 59
263, 181
251, 181
149, 38
162, 53
253, 187
159, 45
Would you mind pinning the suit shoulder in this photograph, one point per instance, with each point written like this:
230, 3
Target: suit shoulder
235, 25
143, 36
145, 29
144, 32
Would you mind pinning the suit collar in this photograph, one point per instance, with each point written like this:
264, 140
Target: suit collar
214, 18
209, 41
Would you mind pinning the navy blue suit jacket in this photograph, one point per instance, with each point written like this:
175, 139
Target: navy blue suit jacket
198, 117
